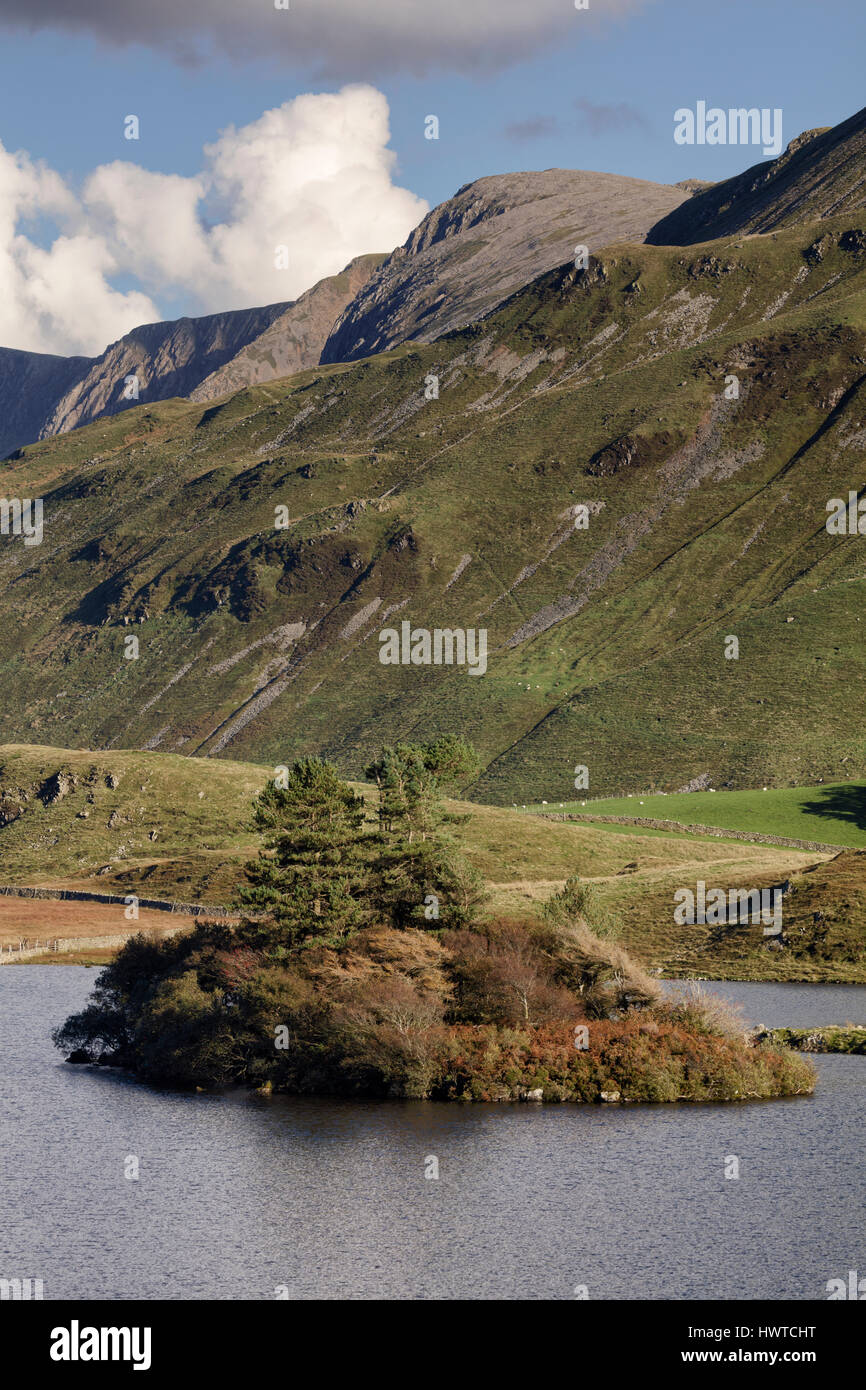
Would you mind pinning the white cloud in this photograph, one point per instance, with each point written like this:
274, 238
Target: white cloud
314, 175
330, 38
57, 299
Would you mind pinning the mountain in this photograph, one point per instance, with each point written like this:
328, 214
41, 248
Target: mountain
821, 174
295, 338
588, 488
492, 238
28, 381
42, 395
467, 257
169, 359
201, 358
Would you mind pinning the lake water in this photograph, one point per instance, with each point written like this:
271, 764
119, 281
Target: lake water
240, 1195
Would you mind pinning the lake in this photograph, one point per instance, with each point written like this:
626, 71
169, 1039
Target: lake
239, 1195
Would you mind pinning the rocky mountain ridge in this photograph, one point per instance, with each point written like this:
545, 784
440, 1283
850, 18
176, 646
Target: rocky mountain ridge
200, 358
466, 258
822, 173
493, 237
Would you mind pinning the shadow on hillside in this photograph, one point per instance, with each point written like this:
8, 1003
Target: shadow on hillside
840, 803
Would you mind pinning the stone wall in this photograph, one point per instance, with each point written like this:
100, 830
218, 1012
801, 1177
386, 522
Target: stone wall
156, 904
29, 950
750, 836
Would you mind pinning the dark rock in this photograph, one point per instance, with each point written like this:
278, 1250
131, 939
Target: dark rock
709, 266
630, 451
57, 786
853, 241
815, 253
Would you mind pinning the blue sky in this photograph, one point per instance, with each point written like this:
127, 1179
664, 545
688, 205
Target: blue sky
64, 97
598, 96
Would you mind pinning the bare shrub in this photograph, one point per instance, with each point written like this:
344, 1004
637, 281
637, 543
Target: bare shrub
503, 975
704, 1012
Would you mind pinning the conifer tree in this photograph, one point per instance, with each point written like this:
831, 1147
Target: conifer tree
421, 878
311, 876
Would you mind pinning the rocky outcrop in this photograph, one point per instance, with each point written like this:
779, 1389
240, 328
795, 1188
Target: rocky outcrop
58, 785
493, 237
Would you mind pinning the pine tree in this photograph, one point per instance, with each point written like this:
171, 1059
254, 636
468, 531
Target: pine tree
311, 877
421, 878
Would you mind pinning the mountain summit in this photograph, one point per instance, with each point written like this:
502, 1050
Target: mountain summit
488, 241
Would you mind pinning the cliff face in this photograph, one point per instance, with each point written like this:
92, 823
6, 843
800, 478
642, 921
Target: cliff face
202, 358
493, 237
169, 359
819, 175
28, 382
293, 341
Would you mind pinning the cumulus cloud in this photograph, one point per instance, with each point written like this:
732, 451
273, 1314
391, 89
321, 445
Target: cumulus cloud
59, 298
313, 176
331, 38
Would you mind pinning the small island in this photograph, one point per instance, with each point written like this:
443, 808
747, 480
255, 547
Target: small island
362, 964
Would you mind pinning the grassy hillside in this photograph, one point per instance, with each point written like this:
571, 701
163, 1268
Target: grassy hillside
834, 814
834, 889
72, 816
603, 388
161, 825
179, 827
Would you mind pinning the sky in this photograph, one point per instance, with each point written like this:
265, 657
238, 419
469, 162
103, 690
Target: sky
275, 144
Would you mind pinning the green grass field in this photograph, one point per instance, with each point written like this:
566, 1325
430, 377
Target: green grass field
834, 814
